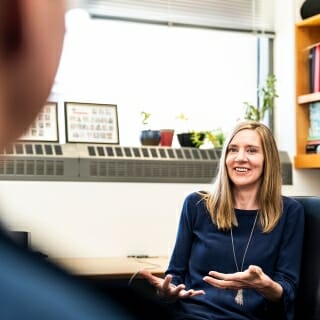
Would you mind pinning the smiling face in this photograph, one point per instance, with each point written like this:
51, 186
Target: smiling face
245, 159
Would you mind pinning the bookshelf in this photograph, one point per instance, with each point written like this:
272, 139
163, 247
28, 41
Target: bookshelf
307, 33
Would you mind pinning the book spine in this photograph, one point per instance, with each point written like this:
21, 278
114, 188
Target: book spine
311, 69
316, 72
313, 148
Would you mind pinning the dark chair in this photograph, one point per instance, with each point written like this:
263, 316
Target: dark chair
308, 298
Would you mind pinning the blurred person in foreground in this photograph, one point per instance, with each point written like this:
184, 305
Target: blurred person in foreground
238, 248
31, 39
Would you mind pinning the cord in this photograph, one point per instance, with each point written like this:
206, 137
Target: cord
139, 259
133, 277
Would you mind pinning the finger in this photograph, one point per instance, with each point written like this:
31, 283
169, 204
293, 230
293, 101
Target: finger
190, 293
186, 293
237, 276
256, 270
198, 293
167, 282
170, 289
223, 284
175, 290
218, 275
215, 282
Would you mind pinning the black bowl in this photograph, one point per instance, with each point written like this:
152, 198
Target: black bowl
185, 139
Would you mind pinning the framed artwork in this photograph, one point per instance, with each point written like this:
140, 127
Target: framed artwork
91, 123
45, 126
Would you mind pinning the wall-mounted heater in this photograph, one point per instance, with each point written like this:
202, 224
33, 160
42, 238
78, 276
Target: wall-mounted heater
91, 162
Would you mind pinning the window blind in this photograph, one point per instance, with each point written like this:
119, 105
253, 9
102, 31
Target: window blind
238, 15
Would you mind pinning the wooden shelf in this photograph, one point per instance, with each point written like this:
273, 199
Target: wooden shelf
307, 34
307, 161
308, 98
313, 21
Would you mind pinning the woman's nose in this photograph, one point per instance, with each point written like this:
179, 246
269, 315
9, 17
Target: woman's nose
241, 156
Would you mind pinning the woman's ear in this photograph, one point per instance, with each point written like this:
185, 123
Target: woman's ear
10, 27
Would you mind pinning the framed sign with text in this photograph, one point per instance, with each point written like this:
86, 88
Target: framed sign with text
45, 126
91, 123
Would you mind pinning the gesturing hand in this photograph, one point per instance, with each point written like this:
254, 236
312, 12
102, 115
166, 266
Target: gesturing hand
166, 289
253, 278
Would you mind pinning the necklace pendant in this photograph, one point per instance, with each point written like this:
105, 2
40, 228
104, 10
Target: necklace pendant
239, 297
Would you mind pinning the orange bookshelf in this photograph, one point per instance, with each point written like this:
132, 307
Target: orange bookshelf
307, 34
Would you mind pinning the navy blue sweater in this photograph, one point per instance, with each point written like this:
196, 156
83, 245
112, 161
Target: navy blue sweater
201, 247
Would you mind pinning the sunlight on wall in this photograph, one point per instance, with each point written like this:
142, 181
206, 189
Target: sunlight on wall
164, 70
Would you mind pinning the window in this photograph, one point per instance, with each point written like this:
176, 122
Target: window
205, 73
248, 15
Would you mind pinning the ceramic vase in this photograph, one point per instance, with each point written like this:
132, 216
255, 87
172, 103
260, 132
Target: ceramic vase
166, 137
150, 137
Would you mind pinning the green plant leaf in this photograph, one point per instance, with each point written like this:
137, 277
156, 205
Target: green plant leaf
145, 117
267, 95
216, 137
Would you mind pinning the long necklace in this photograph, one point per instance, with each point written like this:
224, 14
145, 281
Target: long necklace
239, 296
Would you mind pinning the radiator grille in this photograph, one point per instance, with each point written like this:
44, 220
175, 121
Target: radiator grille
36, 161
83, 162
147, 164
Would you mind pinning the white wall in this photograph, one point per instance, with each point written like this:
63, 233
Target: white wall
115, 219
95, 219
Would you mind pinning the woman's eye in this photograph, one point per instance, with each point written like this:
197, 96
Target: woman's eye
232, 149
252, 150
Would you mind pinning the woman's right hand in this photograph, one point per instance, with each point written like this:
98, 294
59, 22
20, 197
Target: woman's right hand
168, 290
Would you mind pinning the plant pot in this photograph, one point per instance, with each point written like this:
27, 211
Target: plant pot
309, 8
166, 137
185, 139
150, 137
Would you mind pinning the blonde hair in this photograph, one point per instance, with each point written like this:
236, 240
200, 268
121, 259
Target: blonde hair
220, 204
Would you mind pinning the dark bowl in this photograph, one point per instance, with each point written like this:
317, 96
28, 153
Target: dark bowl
150, 137
185, 139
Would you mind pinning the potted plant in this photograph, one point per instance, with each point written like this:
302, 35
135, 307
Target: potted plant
267, 94
214, 138
149, 137
196, 139
184, 134
166, 137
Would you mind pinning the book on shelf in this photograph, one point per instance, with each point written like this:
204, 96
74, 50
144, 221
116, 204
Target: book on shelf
313, 145
314, 68
314, 119
313, 142
316, 73
311, 68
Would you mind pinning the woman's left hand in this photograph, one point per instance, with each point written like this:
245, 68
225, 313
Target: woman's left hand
253, 278
166, 289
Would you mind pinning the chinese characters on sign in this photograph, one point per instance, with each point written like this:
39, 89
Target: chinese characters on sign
95, 123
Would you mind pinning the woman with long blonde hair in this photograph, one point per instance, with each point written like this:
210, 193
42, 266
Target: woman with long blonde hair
238, 247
